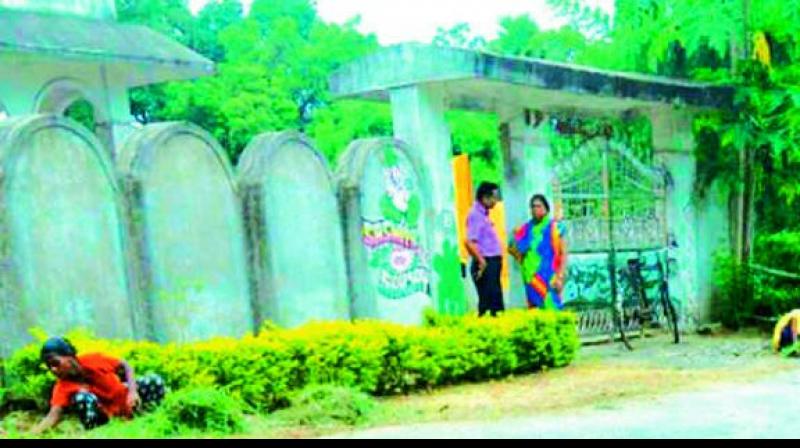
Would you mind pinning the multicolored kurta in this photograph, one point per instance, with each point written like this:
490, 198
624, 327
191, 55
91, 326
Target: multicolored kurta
540, 247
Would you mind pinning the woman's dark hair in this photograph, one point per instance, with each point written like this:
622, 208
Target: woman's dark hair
542, 199
486, 189
57, 347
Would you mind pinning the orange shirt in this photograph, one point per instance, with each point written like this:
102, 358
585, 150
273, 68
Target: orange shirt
101, 380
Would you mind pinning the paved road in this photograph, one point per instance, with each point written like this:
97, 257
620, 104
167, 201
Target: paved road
768, 408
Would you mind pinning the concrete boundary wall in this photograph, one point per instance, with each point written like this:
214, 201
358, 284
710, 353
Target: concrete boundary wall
62, 256
190, 245
294, 231
384, 202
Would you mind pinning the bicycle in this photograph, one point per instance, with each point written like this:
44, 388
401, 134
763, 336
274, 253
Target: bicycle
644, 311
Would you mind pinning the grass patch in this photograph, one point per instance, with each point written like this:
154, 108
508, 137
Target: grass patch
327, 405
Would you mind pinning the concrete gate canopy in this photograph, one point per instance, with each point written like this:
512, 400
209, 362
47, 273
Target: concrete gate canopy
52, 32
422, 82
483, 81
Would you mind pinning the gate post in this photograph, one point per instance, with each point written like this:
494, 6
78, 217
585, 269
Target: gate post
696, 229
528, 169
418, 117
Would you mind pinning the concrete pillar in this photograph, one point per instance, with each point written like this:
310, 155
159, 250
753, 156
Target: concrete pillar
115, 123
528, 169
697, 229
419, 120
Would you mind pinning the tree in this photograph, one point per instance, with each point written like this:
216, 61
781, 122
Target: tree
212, 19
515, 36
341, 122
459, 36
751, 148
273, 67
169, 17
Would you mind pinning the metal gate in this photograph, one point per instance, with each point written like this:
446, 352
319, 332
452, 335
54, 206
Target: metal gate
614, 207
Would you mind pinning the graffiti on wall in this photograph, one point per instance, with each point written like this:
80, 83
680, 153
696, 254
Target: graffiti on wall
393, 239
588, 279
590, 282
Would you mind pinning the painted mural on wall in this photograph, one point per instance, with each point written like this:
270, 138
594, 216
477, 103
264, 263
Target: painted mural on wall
392, 231
589, 285
589, 279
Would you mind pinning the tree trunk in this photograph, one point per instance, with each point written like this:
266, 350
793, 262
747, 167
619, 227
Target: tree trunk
746, 199
741, 217
748, 211
749, 180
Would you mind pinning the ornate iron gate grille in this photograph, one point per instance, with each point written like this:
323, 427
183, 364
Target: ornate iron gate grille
612, 204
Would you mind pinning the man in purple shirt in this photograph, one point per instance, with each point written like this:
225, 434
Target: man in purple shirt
487, 253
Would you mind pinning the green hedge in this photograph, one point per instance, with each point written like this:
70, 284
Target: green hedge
378, 358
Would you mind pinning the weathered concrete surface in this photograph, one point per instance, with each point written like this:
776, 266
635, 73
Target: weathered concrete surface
58, 58
418, 118
528, 170
189, 233
476, 80
295, 231
385, 231
140, 55
93, 9
63, 250
697, 229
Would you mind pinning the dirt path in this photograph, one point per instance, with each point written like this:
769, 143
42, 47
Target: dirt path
765, 409
707, 387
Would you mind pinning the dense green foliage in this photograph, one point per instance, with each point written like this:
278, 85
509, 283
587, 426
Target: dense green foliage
748, 153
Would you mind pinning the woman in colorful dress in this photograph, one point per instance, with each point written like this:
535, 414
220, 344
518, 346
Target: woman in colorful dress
539, 248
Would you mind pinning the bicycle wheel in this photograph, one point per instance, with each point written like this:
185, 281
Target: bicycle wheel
619, 323
672, 317
622, 298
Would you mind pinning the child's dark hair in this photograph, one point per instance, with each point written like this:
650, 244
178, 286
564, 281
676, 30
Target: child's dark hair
542, 199
57, 347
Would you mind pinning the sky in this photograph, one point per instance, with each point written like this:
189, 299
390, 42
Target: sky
394, 21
